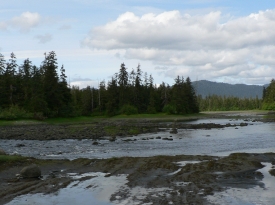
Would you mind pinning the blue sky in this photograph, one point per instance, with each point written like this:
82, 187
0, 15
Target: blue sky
218, 40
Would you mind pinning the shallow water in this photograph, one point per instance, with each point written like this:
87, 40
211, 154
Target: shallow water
253, 196
257, 137
96, 191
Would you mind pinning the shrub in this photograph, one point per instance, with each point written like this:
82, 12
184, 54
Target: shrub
268, 106
13, 113
151, 110
169, 109
128, 110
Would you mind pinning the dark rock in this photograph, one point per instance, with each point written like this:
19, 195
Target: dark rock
165, 138
95, 143
158, 137
174, 131
243, 124
112, 139
272, 172
31, 171
19, 145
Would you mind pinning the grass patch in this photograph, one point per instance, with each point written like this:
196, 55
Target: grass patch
94, 119
111, 130
10, 158
133, 131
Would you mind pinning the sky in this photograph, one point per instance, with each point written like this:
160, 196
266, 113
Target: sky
230, 41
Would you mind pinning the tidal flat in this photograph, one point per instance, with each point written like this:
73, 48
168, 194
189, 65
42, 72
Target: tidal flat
144, 161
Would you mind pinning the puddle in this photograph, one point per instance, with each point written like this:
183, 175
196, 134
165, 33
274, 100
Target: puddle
96, 191
253, 196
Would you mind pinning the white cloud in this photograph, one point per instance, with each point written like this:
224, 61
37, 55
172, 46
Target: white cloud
65, 27
3, 26
83, 84
196, 44
26, 21
44, 38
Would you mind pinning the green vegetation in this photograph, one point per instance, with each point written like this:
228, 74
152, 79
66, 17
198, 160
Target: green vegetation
31, 92
269, 96
10, 158
219, 103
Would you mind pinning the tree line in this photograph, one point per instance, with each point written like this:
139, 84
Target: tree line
31, 91
269, 96
230, 103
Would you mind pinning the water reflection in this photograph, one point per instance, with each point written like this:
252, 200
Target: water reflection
96, 191
257, 195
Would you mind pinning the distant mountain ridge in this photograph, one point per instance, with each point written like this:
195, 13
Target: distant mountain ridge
205, 88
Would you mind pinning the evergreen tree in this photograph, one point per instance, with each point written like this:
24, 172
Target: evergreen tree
50, 84
113, 98
66, 107
191, 97
37, 104
9, 78
269, 98
26, 79
123, 83
2, 80
138, 89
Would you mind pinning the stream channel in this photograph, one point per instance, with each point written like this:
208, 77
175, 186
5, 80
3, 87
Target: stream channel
256, 137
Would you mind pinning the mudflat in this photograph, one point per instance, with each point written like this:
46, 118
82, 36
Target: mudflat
186, 179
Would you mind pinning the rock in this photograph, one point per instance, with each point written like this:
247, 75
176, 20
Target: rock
174, 131
272, 172
158, 137
165, 138
2, 152
112, 139
31, 171
95, 143
19, 145
243, 124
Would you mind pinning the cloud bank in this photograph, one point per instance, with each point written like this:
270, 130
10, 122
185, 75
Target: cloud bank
206, 45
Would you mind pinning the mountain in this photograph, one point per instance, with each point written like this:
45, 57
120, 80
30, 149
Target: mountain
205, 88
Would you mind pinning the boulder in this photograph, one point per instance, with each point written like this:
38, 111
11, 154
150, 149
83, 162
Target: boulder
31, 171
174, 131
2, 152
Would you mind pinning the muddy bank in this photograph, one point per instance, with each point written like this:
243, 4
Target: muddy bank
185, 179
99, 130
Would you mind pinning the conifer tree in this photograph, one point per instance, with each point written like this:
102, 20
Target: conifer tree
2, 82
50, 84
123, 83
9, 86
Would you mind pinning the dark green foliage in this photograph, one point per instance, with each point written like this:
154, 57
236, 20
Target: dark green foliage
169, 109
223, 103
28, 91
14, 113
128, 110
269, 96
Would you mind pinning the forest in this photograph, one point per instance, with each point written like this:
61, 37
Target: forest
29, 91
